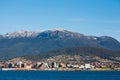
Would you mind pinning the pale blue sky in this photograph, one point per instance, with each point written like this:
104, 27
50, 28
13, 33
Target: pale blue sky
89, 17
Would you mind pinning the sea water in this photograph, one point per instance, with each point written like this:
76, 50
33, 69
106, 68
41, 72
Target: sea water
59, 75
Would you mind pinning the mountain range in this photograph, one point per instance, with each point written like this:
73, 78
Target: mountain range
22, 43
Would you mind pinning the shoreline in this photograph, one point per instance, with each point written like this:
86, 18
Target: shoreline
52, 70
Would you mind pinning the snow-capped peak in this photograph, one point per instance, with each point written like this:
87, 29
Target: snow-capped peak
22, 33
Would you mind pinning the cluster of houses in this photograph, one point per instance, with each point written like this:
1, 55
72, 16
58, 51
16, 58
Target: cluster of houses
58, 63
45, 66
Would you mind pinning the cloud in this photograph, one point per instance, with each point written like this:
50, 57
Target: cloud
113, 31
77, 20
113, 21
106, 21
94, 21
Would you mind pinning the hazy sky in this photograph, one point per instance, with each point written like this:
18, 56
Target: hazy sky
90, 17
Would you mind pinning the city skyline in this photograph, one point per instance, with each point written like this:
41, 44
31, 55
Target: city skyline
93, 17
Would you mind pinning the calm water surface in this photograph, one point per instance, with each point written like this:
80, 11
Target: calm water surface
59, 75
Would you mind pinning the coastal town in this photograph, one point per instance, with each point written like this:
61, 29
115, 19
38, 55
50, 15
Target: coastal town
59, 63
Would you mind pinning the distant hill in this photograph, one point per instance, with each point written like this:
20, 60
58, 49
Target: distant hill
22, 43
82, 51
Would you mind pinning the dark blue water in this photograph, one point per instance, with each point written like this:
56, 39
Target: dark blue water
59, 75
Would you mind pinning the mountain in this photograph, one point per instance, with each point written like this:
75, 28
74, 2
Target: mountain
81, 51
35, 42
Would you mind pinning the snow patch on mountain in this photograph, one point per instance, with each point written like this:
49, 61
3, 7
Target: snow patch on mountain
22, 33
61, 33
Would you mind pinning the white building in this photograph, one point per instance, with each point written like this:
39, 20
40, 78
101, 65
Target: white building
87, 66
19, 64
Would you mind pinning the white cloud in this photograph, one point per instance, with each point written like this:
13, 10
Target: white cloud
77, 19
94, 20
113, 21
113, 31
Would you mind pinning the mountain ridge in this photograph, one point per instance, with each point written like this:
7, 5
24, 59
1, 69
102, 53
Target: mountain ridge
27, 33
29, 42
